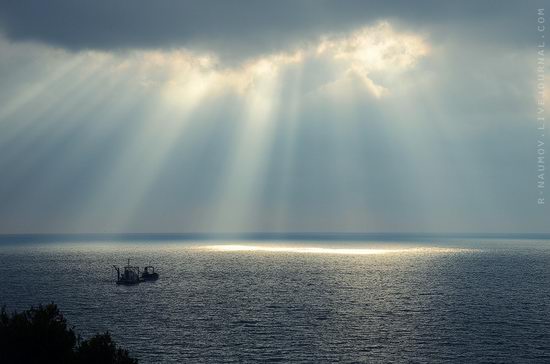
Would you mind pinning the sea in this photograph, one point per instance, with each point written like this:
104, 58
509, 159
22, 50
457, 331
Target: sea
295, 299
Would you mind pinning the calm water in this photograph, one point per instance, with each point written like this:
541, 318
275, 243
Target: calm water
457, 301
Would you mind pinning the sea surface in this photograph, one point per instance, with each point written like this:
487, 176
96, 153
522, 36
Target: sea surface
454, 300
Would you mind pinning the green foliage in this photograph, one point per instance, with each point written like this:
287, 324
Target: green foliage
41, 335
102, 349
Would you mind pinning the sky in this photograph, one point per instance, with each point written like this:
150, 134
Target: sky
270, 116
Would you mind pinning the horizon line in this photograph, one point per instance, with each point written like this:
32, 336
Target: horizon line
274, 235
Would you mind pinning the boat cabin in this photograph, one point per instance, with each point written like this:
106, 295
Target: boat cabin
149, 273
129, 274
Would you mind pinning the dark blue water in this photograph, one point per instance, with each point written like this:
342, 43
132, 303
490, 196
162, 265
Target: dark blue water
435, 301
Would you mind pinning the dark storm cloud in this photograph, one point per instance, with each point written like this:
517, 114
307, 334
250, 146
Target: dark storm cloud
242, 28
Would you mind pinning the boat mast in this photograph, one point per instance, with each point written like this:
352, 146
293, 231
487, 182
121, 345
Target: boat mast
117, 272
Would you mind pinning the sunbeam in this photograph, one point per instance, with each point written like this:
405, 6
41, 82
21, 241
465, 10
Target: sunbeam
246, 167
333, 133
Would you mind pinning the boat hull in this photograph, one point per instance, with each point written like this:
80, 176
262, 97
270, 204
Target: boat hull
150, 277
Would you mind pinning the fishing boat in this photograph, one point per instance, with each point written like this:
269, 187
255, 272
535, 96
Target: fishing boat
149, 274
129, 275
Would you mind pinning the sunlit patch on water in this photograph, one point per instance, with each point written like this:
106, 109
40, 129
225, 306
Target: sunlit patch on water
216, 301
325, 250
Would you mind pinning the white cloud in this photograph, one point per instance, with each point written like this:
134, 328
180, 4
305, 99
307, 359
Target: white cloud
181, 73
